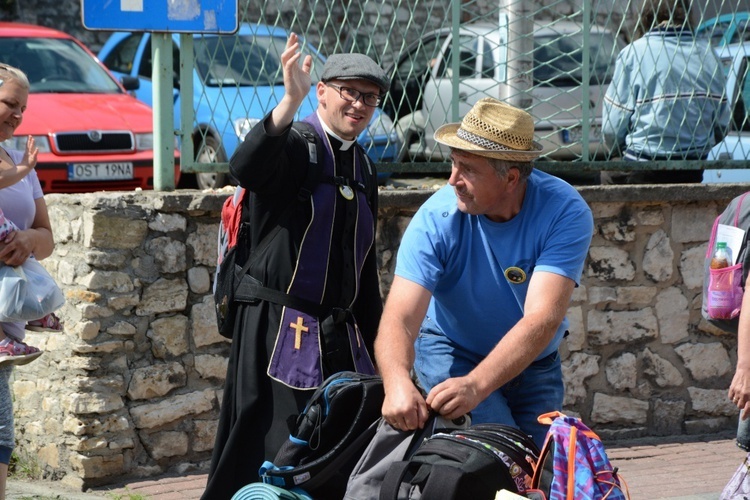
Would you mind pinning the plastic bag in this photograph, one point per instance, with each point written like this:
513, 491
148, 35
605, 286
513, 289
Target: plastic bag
725, 292
28, 292
739, 486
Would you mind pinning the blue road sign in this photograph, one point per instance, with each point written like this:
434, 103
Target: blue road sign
171, 16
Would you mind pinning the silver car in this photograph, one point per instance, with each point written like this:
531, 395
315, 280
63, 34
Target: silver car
422, 90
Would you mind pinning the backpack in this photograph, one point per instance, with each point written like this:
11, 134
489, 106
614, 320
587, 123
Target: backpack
473, 463
390, 445
329, 436
573, 464
736, 214
234, 228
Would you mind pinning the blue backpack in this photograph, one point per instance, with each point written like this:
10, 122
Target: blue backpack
329, 436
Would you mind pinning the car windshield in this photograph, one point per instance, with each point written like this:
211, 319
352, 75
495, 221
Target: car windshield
56, 65
558, 59
242, 60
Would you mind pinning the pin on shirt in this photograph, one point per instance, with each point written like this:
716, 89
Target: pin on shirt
346, 192
515, 275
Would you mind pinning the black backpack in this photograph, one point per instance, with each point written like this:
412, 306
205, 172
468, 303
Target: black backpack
473, 463
329, 436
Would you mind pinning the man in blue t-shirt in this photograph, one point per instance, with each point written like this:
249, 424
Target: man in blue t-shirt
483, 280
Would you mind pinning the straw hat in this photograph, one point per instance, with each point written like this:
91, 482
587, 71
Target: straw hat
495, 129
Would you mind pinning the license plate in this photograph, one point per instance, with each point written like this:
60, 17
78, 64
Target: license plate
100, 171
575, 134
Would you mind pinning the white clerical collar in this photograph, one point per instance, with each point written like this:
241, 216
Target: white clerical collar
345, 144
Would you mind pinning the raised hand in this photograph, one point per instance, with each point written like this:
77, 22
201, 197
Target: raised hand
29, 156
297, 79
297, 82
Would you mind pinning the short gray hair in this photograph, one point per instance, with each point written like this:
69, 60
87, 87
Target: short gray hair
503, 166
8, 72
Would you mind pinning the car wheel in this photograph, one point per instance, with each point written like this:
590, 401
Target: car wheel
410, 131
210, 152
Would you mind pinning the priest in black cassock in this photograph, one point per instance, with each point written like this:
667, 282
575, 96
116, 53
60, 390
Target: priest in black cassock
319, 262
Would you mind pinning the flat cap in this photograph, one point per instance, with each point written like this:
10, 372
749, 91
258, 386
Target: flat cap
355, 67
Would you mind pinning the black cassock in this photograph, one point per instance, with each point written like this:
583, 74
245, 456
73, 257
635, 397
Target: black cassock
256, 406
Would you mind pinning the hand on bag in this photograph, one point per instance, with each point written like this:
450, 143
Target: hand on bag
16, 248
454, 397
404, 407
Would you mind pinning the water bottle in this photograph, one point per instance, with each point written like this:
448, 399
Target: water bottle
720, 288
722, 256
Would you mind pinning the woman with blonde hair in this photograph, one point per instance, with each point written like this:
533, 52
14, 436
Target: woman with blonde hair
23, 203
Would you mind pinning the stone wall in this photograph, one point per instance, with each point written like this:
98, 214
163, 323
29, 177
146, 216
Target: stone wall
132, 386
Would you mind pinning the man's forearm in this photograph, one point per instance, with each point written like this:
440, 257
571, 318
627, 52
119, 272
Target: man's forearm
512, 355
394, 351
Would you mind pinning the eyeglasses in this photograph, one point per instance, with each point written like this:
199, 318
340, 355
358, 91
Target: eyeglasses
352, 95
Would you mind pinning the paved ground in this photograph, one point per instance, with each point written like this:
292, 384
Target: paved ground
688, 468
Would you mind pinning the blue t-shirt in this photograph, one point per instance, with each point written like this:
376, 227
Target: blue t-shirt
463, 259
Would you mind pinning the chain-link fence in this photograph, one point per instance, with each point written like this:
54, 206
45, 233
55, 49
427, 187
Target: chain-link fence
557, 59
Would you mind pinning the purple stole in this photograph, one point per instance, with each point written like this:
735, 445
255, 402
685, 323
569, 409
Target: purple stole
296, 359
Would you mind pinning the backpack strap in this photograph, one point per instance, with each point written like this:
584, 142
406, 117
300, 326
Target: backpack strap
314, 159
393, 479
739, 209
371, 182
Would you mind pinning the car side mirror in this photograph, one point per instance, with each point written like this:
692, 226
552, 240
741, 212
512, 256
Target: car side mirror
130, 82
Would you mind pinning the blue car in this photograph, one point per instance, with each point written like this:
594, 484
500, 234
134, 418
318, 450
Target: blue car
237, 80
736, 145
726, 29
726, 33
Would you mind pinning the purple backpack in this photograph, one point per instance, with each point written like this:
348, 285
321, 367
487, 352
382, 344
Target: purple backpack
573, 464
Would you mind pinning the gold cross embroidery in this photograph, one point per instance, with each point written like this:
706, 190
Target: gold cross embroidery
299, 328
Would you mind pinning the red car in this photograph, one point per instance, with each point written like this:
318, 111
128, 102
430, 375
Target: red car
91, 134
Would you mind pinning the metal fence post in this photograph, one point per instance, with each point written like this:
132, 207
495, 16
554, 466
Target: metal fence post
520, 51
161, 51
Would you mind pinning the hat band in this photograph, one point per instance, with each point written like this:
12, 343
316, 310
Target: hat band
482, 142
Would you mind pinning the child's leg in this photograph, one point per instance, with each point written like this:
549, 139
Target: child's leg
6, 226
49, 323
12, 350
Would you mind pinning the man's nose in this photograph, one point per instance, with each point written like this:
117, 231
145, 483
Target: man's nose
455, 176
360, 103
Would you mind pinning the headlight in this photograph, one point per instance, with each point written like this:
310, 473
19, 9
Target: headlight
19, 142
243, 125
144, 142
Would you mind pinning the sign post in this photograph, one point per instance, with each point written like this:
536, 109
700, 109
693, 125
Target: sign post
162, 17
